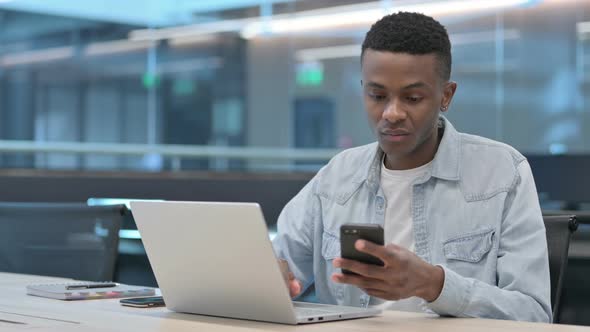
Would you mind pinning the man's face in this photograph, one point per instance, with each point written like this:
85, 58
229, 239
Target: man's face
403, 95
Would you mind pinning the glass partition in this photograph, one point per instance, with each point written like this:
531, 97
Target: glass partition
257, 85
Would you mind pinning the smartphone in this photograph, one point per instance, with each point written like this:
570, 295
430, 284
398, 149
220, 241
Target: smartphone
143, 302
349, 233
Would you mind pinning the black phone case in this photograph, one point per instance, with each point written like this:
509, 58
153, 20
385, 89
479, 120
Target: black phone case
144, 302
349, 233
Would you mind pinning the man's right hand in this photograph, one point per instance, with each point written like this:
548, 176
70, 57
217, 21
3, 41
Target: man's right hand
293, 284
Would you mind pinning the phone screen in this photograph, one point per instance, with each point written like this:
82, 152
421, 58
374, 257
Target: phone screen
143, 302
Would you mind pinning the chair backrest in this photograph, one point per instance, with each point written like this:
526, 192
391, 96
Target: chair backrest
60, 239
559, 229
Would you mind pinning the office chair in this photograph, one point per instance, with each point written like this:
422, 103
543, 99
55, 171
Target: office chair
559, 229
69, 240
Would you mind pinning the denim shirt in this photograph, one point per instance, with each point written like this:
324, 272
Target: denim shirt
475, 213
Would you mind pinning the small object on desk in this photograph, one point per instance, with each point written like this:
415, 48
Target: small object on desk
92, 285
88, 290
144, 302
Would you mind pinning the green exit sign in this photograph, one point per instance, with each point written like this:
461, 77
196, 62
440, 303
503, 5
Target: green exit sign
309, 74
149, 80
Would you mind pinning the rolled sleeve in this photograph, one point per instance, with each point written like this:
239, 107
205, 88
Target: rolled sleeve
294, 240
454, 297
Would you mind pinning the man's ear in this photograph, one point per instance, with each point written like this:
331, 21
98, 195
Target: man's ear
448, 93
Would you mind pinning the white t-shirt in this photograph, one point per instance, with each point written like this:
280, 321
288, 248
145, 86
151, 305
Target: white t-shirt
397, 187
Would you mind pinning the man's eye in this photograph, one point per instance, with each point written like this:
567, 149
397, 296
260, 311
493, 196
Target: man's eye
377, 97
413, 99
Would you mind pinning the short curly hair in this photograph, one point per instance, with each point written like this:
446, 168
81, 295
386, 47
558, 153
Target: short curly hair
411, 33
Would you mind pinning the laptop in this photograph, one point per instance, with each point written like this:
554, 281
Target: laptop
216, 259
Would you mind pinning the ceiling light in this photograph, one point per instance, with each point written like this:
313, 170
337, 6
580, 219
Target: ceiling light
354, 50
117, 46
37, 56
326, 18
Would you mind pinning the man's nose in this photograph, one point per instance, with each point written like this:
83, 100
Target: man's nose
393, 112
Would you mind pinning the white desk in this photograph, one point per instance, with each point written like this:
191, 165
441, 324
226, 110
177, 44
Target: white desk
41, 314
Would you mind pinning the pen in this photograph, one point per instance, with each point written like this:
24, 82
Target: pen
96, 285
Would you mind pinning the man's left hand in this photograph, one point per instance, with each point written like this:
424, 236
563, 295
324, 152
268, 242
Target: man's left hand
403, 275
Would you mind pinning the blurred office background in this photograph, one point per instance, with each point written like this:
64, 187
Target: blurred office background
246, 99
140, 85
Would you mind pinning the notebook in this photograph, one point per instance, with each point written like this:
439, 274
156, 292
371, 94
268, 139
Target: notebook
88, 290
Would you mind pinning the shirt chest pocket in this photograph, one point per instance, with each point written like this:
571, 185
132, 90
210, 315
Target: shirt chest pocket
471, 247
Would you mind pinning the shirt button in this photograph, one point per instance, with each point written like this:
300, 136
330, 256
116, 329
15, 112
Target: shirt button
380, 202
